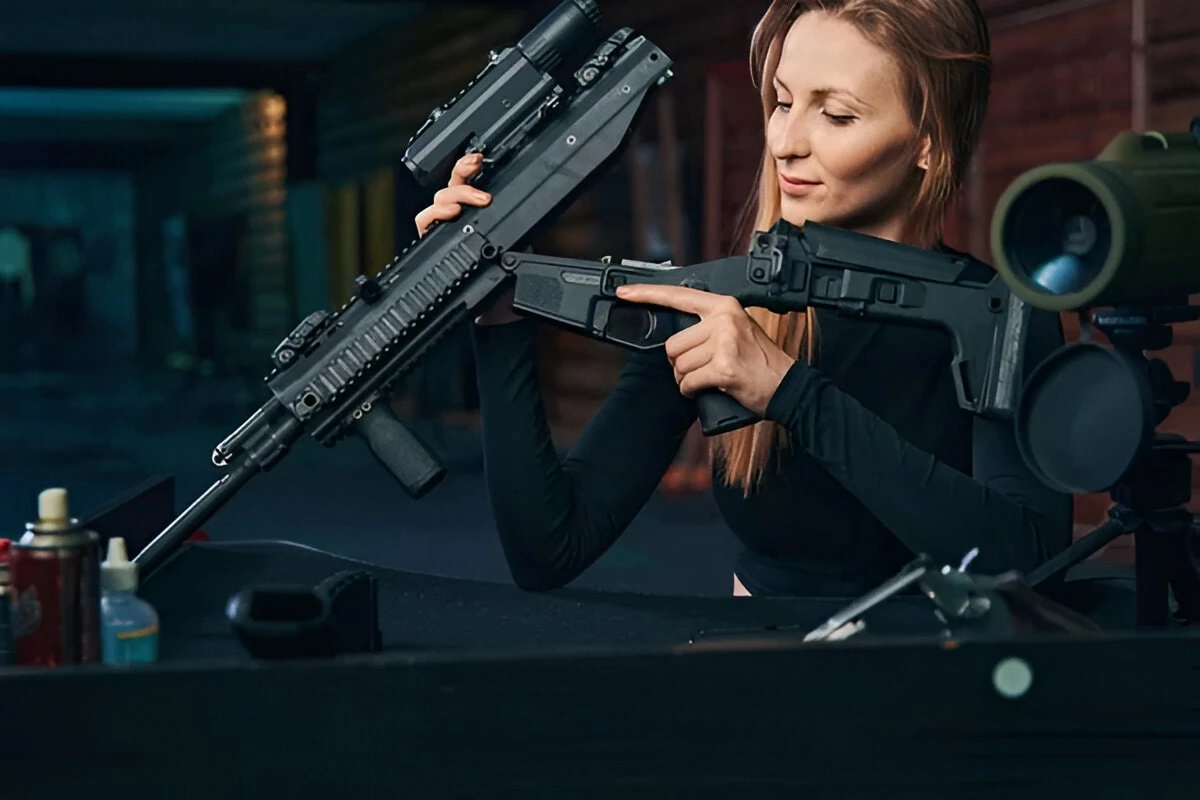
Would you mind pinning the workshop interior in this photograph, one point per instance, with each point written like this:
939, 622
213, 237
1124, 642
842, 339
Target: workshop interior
246, 542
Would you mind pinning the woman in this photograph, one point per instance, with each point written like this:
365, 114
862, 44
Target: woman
873, 109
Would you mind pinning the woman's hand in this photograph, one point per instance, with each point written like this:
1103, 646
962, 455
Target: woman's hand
726, 350
447, 204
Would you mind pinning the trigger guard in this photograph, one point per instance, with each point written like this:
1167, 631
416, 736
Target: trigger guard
681, 321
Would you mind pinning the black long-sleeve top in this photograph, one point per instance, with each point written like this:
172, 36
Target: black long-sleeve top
882, 464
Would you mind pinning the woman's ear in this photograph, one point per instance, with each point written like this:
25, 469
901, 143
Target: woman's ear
923, 158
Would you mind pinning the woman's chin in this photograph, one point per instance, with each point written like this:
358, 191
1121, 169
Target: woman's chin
798, 212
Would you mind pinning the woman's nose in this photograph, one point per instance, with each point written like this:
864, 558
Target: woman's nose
792, 139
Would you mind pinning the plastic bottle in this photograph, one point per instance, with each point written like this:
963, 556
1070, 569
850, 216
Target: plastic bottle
129, 625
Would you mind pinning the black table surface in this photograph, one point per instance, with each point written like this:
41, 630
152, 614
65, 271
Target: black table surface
493, 692
424, 612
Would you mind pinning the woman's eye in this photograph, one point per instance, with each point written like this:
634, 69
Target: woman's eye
839, 119
783, 106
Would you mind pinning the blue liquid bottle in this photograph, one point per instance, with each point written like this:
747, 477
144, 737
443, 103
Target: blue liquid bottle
128, 624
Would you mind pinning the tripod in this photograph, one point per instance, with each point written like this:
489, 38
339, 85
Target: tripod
1150, 500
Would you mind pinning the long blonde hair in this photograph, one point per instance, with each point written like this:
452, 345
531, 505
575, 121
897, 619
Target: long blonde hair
944, 53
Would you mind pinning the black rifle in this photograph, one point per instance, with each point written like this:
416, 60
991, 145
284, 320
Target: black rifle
790, 269
549, 115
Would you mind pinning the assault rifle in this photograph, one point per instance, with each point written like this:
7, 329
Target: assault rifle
790, 268
549, 115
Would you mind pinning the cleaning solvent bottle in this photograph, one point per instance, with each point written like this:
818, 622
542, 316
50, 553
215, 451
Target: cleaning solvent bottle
129, 625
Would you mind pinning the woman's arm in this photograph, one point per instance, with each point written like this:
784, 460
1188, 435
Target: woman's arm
1013, 518
556, 517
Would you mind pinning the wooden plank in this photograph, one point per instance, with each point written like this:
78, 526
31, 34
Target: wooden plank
1175, 115
379, 220
997, 9
955, 227
639, 195
345, 256
734, 134
714, 168
1171, 19
1173, 67
1012, 150
668, 152
1084, 86
1072, 35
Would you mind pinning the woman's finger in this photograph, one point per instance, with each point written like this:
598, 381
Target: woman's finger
460, 195
698, 381
687, 339
436, 213
464, 168
448, 203
692, 360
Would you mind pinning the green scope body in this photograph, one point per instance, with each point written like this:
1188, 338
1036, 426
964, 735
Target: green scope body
1121, 230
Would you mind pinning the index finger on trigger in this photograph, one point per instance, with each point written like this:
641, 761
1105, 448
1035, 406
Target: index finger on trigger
681, 298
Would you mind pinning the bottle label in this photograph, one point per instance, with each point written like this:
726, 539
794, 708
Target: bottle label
27, 612
149, 630
138, 646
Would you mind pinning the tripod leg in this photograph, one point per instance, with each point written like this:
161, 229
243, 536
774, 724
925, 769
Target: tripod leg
1080, 551
1184, 580
1152, 559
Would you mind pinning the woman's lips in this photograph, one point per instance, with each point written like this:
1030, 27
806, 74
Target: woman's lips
795, 186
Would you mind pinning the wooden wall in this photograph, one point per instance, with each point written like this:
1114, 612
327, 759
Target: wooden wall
233, 165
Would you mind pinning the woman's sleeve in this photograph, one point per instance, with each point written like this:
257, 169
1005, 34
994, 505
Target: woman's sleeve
1015, 520
556, 516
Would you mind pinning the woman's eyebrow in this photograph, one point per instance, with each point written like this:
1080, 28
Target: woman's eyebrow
825, 91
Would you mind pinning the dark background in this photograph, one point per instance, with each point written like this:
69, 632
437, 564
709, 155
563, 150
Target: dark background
192, 177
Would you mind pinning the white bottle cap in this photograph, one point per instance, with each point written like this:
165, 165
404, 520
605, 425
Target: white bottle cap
53, 508
118, 573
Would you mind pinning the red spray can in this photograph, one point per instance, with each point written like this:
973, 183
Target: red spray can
56, 588
7, 656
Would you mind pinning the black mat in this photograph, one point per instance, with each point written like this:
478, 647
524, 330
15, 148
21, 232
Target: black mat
426, 612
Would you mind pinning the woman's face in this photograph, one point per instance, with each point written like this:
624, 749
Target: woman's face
841, 136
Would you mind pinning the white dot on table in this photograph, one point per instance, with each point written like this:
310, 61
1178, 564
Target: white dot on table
1012, 677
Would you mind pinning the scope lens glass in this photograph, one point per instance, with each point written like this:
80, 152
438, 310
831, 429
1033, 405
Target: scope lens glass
1057, 236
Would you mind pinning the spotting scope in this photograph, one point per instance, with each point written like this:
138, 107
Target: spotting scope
1116, 239
1120, 230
